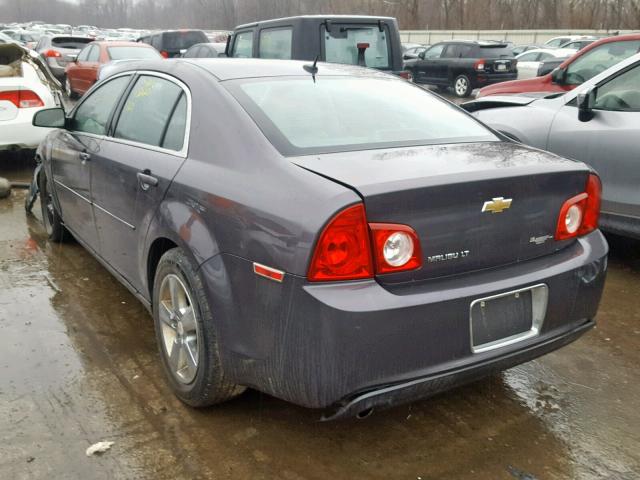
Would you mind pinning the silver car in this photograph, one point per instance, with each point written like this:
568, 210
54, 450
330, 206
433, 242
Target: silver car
597, 123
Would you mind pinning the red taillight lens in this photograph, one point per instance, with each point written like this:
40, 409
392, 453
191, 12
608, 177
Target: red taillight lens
343, 251
22, 98
396, 248
479, 65
52, 54
580, 214
164, 54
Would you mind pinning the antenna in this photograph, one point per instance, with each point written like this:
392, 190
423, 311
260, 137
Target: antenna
312, 69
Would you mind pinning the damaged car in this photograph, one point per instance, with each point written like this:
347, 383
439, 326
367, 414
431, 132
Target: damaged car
26, 87
333, 236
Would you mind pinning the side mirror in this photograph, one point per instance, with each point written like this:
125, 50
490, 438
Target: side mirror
586, 101
558, 76
49, 118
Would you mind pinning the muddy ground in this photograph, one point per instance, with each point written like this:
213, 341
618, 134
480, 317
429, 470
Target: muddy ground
78, 364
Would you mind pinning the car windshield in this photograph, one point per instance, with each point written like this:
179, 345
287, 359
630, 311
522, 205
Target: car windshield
301, 116
70, 42
344, 44
495, 52
599, 59
182, 40
130, 53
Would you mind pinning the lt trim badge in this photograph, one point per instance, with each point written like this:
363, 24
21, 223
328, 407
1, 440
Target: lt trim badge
497, 205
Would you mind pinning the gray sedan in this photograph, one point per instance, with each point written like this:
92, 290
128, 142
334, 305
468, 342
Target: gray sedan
330, 235
597, 123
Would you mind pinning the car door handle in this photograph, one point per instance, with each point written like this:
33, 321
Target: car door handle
147, 180
84, 156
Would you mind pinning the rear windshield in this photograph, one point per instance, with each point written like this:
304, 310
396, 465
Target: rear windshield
130, 53
342, 41
70, 42
333, 114
182, 40
495, 52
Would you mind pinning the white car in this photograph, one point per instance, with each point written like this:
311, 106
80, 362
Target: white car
529, 61
26, 86
557, 42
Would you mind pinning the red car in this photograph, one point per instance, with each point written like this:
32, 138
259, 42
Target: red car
82, 73
585, 64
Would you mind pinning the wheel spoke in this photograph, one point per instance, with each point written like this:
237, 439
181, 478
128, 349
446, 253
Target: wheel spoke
174, 357
166, 314
188, 319
190, 357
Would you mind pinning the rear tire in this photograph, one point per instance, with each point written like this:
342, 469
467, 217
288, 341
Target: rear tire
50, 217
186, 334
462, 86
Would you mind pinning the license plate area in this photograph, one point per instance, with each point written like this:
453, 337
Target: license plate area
501, 66
507, 318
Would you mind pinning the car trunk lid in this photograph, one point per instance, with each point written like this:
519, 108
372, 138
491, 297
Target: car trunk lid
441, 191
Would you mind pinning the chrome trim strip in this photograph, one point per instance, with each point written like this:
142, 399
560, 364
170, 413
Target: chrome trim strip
132, 227
58, 182
539, 298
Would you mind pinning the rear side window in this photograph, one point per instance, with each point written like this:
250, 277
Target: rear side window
450, 51
84, 54
174, 137
341, 45
243, 45
147, 110
93, 114
276, 43
349, 113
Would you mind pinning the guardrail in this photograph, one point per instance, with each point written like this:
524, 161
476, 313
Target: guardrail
516, 36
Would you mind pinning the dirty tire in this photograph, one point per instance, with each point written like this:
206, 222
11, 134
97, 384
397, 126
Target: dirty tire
50, 216
462, 86
209, 385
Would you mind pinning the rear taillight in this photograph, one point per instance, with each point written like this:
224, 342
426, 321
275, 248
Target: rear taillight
351, 249
406, 74
479, 65
580, 214
22, 98
396, 247
164, 54
52, 54
343, 251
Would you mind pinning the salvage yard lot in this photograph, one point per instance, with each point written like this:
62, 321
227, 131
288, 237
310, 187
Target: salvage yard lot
79, 364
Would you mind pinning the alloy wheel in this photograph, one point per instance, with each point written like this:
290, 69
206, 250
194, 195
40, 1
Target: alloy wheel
179, 329
461, 86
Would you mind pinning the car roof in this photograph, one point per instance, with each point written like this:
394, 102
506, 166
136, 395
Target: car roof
314, 17
121, 43
237, 68
559, 53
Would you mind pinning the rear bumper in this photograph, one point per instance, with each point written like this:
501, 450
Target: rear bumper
397, 394
484, 79
348, 346
20, 133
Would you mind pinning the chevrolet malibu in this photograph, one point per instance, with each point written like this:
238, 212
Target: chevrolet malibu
330, 235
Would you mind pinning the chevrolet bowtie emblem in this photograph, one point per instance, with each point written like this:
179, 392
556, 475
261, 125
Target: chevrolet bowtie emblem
497, 205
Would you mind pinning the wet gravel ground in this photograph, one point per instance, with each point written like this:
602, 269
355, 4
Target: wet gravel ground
78, 364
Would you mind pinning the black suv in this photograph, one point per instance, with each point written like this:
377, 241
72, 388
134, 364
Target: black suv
357, 40
173, 43
464, 65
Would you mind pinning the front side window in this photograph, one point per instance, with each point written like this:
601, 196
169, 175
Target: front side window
93, 113
342, 42
599, 59
451, 51
147, 110
621, 93
243, 45
346, 113
434, 52
276, 43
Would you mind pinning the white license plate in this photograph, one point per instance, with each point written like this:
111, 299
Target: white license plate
501, 66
